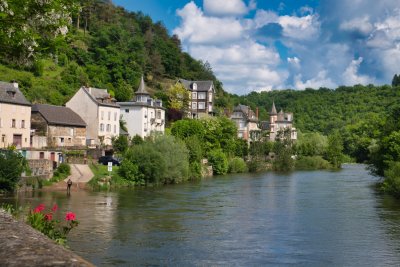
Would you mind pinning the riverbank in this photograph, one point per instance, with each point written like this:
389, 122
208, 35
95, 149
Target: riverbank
24, 246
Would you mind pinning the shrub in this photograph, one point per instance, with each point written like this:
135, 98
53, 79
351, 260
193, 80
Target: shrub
64, 168
237, 165
12, 164
254, 165
195, 170
391, 184
130, 172
312, 163
218, 161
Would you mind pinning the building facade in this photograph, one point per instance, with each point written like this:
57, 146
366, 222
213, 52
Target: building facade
100, 112
60, 126
15, 117
143, 115
202, 97
246, 121
279, 122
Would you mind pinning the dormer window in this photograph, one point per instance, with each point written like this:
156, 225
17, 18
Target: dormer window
11, 93
194, 86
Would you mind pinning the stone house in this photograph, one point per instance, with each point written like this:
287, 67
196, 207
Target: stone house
143, 115
202, 97
246, 121
15, 116
60, 126
279, 122
100, 112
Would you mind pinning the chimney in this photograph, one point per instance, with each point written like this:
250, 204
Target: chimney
15, 84
257, 112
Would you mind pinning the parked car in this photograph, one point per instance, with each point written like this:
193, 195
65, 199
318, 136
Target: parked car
106, 159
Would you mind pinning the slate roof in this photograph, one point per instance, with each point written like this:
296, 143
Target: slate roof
201, 85
6, 97
246, 110
99, 95
142, 88
58, 115
273, 110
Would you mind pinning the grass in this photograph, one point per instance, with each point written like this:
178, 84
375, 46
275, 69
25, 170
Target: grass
101, 179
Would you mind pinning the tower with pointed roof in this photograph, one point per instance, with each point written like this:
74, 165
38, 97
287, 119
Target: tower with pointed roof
143, 115
279, 121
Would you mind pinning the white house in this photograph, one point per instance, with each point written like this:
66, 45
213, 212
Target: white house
15, 117
100, 112
143, 115
279, 122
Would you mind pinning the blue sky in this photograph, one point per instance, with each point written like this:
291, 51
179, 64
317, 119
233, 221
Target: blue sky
256, 45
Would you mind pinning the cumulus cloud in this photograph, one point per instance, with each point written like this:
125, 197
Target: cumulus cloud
227, 7
196, 28
333, 44
351, 76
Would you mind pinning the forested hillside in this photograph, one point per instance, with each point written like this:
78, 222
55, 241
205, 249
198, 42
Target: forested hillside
106, 47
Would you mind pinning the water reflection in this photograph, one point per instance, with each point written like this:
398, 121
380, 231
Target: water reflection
305, 218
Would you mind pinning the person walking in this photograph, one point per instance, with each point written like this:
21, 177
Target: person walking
69, 184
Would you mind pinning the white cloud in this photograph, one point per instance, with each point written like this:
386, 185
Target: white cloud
303, 28
321, 80
351, 76
226, 7
196, 28
360, 24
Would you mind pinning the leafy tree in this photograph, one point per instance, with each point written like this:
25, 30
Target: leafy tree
218, 161
187, 128
137, 140
237, 165
334, 149
12, 164
179, 98
120, 144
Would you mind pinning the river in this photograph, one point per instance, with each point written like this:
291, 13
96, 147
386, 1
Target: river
317, 218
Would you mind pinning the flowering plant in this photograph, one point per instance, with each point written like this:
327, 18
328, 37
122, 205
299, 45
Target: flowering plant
44, 222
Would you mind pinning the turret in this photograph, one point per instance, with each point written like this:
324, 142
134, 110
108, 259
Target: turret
141, 94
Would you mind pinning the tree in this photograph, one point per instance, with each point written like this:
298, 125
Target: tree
396, 80
120, 144
29, 26
334, 150
218, 161
12, 164
179, 98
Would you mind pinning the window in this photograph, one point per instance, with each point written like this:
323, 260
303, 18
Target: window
194, 95
101, 127
145, 113
62, 140
115, 129
108, 128
13, 123
109, 115
202, 105
145, 126
71, 131
127, 110
210, 97
194, 105
41, 155
194, 86
202, 95
23, 124
158, 114
3, 138
0, 123
102, 115
115, 116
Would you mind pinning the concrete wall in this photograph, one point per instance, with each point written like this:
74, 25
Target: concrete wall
19, 113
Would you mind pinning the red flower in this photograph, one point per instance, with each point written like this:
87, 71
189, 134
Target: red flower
39, 208
48, 217
70, 216
54, 208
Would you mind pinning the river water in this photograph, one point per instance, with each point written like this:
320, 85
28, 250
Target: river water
317, 218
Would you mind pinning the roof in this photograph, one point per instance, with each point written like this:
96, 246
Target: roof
101, 95
138, 104
142, 88
201, 85
58, 115
246, 110
9, 93
273, 109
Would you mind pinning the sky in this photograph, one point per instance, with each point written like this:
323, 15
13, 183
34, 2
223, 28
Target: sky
260, 45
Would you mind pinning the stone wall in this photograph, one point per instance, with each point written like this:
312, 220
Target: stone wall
22, 245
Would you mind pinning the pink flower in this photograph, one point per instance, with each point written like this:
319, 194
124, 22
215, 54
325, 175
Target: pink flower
70, 216
54, 208
48, 217
39, 208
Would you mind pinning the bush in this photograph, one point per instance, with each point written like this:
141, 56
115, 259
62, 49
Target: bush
12, 164
312, 163
391, 184
218, 161
130, 172
195, 170
64, 168
237, 165
254, 165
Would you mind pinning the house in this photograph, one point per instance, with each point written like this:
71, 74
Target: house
15, 116
279, 122
100, 112
202, 97
246, 121
56, 126
143, 115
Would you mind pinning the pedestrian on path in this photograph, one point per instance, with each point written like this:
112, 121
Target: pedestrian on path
69, 184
